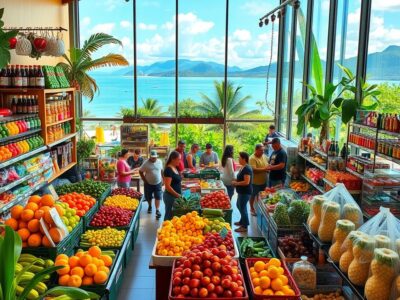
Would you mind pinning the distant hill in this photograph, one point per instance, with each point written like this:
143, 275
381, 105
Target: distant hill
383, 65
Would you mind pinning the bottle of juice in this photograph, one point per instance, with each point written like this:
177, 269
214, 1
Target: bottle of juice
50, 134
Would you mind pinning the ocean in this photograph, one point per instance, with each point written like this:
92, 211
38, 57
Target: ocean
117, 91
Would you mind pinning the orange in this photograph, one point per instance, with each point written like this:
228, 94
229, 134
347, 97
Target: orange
34, 199
276, 284
107, 260
47, 200
284, 279
87, 280
265, 282
100, 277
62, 257
274, 262
39, 214
85, 259
63, 280
258, 290
259, 266
59, 210
268, 292
34, 225
48, 218
74, 281
73, 261
273, 272
32, 206
288, 291
104, 268
256, 281
279, 293
254, 275
90, 269
13, 223
27, 215
24, 234
35, 240
46, 242
64, 270
78, 271
22, 224
45, 208
281, 271
252, 270
16, 211
95, 251
56, 234
263, 273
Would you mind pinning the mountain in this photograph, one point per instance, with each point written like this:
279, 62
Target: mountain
383, 65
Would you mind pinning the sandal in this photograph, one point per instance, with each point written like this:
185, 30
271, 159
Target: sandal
241, 229
158, 214
253, 213
149, 210
237, 224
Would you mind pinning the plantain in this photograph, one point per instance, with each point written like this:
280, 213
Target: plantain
32, 295
41, 288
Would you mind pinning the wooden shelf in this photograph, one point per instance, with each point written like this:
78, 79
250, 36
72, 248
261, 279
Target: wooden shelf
22, 157
308, 158
316, 186
59, 122
65, 138
30, 90
62, 171
20, 135
17, 116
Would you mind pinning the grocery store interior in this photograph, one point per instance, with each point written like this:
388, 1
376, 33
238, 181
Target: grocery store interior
167, 149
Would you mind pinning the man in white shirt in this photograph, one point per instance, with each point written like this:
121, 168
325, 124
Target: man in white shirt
151, 174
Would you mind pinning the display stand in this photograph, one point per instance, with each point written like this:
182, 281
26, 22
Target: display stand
135, 136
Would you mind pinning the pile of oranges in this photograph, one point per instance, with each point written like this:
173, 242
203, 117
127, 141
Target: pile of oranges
268, 279
180, 234
84, 268
5, 154
26, 221
78, 201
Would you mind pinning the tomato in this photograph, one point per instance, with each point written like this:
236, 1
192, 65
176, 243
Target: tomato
176, 290
194, 283
194, 292
176, 281
187, 263
203, 292
216, 266
206, 263
210, 287
205, 281
226, 283
228, 294
187, 272
196, 268
234, 286
227, 269
216, 280
197, 274
238, 294
185, 289
186, 281
219, 290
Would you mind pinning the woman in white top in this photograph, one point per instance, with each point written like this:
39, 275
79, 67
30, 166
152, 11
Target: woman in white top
228, 173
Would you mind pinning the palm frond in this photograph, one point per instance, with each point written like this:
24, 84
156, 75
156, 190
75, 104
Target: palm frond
96, 41
110, 60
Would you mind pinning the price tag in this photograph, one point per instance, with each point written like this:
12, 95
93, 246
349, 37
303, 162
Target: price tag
186, 194
58, 222
53, 192
223, 233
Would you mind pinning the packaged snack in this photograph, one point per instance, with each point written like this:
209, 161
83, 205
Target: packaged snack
305, 274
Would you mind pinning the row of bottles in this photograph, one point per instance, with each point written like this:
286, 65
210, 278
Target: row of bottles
333, 149
21, 76
24, 104
389, 122
18, 126
57, 109
388, 147
57, 132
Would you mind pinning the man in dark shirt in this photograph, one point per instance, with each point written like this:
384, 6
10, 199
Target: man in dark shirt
181, 149
135, 161
277, 164
268, 140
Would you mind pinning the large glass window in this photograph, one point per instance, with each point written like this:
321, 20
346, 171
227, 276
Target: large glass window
115, 84
383, 64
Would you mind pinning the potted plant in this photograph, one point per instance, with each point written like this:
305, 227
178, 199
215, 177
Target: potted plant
6, 40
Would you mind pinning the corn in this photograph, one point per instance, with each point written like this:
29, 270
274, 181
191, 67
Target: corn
122, 201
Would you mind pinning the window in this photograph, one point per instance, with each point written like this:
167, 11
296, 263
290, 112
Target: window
115, 84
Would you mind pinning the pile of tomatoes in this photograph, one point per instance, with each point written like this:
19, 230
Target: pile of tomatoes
211, 273
216, 199
214, 240
80, 202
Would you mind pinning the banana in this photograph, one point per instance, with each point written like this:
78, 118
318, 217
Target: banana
29, 258
41, 288
49, 263
34, 269
26, 277
33, 294
18, 268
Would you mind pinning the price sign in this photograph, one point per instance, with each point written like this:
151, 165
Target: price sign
223, 233
186, 194
53, 192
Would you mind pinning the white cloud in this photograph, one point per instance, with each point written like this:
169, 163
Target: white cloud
125, 24
85, 21
242, 35
168, 25
386, 5
144, 26
191, 24
354, 17
104, 27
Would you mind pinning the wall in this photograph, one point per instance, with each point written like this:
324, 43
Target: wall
36, 13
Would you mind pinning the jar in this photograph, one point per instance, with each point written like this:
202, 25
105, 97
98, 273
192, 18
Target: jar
305, 274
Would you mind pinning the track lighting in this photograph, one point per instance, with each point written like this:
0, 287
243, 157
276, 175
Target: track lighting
266, 21
273, 17
261, 23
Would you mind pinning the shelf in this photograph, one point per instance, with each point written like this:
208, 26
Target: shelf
321, 244
62, 171
22, 157
355, 173
21, 180
395, 134
26, 90
382, 187
59, 122
22, 198
328, 182
392, 159
65, 138
316, 186
320, 152
362, 147
20, 135
17, 117
363, 126
307, 158
358, 291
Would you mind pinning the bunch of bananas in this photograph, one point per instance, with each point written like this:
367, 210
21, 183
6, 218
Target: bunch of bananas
36, 265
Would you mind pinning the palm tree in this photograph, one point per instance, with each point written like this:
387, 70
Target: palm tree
80, 62
236, 105
151, 108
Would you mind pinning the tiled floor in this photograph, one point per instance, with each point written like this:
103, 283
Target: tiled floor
139, 280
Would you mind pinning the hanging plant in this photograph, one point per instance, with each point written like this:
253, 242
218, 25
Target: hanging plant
7, 41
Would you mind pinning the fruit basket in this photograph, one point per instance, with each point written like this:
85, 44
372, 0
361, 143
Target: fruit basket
250, 263
170, 297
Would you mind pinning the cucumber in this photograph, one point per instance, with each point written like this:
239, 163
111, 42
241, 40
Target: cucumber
213, 212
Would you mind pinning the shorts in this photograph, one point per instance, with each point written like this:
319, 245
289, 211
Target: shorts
126, 185
150, 190
257, 188
272, 183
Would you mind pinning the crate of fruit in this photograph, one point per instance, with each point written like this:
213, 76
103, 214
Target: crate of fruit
270, 279
187, 203
110, 216
250, 247
105, 238
217, 200
209, 286
121, 201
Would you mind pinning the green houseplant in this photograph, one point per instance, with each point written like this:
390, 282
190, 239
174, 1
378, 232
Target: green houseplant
5, 55
10, 251
80, 62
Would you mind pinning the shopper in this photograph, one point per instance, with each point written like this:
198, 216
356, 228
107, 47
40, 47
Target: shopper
190, 161
114, 133
135, 161
228, 171
151, 174
124, 171
181, 150
243, 186
259, 163
172, 182
209, 156
277, 164
268, 140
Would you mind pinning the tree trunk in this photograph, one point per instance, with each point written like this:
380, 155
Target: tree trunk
324, 132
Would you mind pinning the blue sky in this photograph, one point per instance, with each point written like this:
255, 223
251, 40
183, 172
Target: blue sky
202, 28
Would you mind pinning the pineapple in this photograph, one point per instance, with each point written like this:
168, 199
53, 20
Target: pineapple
363, 252
378, 286
382, 241
314, 219
343, 228
347, 256
330, 215
352, 213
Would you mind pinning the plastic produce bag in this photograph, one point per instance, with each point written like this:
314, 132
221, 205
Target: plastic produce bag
347, 250
305, 274
314, 219
3, 177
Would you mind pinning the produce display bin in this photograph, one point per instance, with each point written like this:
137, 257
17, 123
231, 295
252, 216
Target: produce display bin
89, 216
106, 248
135, 232
170, 297
292, 259
127, 227
250, 263
181, 212
66, 246
239, 240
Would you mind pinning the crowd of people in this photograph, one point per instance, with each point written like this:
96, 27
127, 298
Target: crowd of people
249, 175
